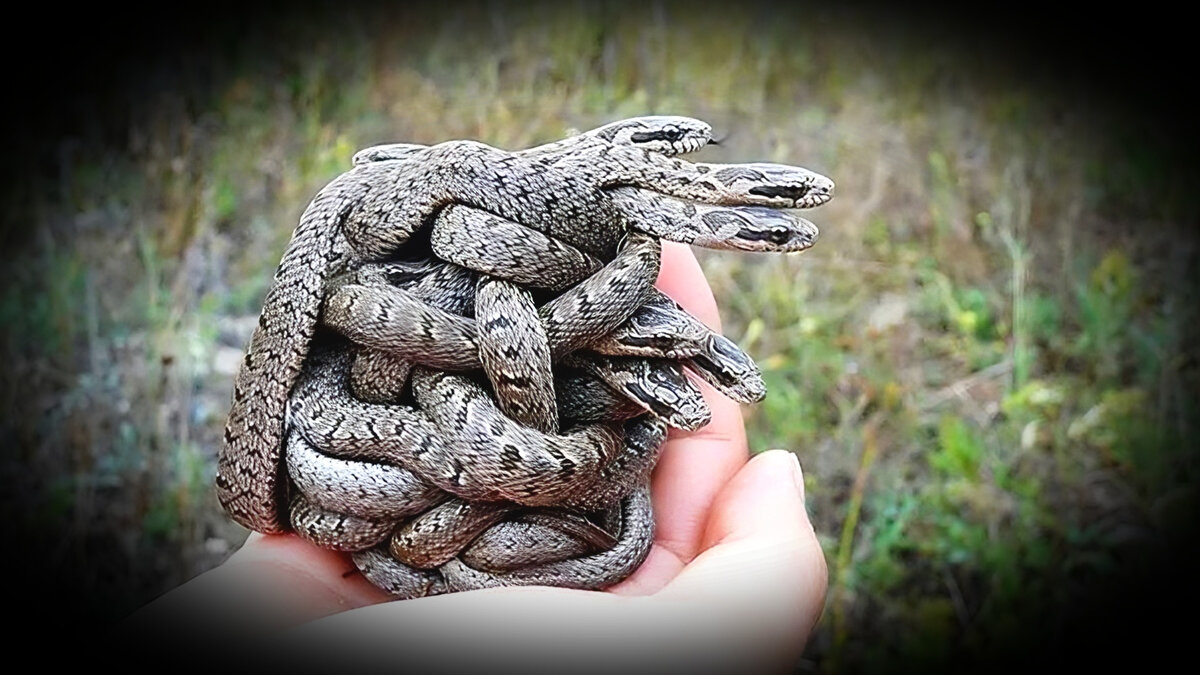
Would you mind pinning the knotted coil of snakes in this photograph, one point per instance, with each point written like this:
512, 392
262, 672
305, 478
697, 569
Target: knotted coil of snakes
463, 374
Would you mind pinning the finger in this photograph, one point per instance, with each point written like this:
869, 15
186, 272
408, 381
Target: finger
691, 472
762, 568
694, 465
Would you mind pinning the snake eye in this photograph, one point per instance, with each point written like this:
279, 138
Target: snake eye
779, 235
673, 133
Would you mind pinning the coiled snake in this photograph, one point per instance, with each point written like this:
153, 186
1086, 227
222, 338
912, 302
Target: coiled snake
462, 372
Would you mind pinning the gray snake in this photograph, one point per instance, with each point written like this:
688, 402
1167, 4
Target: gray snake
562, 244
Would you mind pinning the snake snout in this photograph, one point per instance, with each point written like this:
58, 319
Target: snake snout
802, 237
819, 191
807, 236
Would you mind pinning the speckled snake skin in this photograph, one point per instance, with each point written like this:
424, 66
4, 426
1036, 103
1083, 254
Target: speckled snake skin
463, 375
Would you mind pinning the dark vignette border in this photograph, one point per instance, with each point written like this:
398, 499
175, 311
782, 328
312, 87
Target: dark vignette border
84, 73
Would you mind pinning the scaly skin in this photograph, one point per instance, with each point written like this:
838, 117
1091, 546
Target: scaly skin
584, 194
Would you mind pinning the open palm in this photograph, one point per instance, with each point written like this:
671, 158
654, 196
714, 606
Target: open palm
735, 577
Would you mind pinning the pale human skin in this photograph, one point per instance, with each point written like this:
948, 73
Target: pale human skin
735, 580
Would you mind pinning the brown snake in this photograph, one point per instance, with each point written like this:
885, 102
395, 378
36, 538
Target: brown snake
566, 218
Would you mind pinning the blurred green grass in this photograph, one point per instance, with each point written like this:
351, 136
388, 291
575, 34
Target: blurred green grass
984, 365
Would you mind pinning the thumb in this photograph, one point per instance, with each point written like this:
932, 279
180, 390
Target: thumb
762, 569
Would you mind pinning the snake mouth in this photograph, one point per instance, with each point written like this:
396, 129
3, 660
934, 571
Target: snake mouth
817, 195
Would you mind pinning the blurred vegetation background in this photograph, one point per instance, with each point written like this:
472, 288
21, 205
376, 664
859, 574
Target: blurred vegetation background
987, 365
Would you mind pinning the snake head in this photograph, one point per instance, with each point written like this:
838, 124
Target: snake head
662, 387
659, 328
724, 365
664, 134
757, 228
779, 185
386, 153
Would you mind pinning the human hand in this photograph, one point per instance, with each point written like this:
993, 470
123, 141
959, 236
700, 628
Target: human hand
735, 577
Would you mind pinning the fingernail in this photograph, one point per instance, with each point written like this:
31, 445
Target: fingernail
797, 474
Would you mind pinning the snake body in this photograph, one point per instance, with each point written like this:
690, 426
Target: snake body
578, 219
